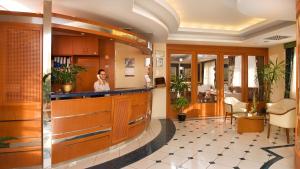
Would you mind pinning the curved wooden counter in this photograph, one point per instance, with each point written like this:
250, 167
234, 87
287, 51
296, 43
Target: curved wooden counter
86, 125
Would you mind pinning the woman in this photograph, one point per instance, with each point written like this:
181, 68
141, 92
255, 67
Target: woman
101, 84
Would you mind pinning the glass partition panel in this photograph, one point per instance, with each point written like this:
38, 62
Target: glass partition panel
206, 78
255, 81
180, 74
233, 76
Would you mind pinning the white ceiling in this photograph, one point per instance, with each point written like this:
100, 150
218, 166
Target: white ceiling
211, 22
212, 14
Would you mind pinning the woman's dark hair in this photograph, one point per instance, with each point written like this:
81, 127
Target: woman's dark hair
100, 70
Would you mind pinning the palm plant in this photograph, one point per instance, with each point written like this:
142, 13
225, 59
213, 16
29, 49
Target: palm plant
181, 103
179, 85
270, 74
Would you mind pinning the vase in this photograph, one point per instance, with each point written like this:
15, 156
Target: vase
67, 88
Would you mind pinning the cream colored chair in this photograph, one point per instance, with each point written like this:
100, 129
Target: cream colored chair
232, 106
282, 114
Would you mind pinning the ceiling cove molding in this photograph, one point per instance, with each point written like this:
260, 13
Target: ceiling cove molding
159, 34
159, 10
204, 38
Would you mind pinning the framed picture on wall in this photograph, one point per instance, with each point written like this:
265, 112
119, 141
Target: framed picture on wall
129, 67
159, 62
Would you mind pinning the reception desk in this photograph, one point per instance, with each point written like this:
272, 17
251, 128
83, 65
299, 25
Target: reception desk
86, 122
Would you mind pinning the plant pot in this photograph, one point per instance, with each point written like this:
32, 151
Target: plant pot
67, 88
181, 116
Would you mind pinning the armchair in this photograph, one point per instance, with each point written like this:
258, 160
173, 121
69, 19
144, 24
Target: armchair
282, 114
233, 105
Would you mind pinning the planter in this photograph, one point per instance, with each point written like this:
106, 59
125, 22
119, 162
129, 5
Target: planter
181, 116
67, 88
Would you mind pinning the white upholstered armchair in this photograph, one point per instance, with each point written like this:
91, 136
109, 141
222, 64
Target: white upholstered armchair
282, 114
233, 105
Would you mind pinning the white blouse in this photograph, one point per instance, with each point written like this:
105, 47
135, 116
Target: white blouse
101, 87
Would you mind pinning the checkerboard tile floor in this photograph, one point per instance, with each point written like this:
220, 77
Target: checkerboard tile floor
212, 143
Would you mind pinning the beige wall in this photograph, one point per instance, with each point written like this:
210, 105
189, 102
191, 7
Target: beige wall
277, 51
159, 94
125, 51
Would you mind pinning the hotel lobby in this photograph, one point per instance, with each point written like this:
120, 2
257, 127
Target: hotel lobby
152, 84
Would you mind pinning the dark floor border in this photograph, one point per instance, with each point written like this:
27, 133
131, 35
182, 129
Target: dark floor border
167, 132
276, 158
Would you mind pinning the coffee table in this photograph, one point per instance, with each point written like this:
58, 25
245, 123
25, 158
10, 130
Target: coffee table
247, 122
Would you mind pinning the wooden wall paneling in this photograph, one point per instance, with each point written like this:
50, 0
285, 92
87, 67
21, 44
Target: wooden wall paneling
220, 84
139, 105
20, 83
85, 80
80, 106
107, 59
78, 45
30, 128
26, 111
77, 117
92, 44
62, 45
194, 86
97, 119
136, 128
81, 116
75, 148
21, 158
121, 111
85, 45
3, 41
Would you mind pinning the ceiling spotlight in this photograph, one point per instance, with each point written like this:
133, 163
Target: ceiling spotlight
180, 59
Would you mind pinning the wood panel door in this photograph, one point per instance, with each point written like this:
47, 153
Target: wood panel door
20, 97
85, 80
85, 45
121, 111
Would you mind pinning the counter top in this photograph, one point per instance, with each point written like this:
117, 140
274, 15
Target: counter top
97, 94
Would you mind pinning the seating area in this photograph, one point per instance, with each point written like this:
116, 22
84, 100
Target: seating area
282, 114
233, 106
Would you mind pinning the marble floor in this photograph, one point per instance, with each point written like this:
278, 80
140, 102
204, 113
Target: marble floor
212, 143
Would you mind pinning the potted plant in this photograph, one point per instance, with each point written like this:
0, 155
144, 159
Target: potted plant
179, 86
66, 76
180, 104
270, 73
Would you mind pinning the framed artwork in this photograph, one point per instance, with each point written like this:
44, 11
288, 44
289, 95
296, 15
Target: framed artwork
159, 62
129, 67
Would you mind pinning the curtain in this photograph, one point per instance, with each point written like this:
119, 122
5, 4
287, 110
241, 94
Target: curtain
260, 64
230, 71
289, 52
252, 72
209, 73
293, 77
236, 81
